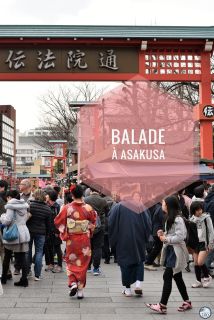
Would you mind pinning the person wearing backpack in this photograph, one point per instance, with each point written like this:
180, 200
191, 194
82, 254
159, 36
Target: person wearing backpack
174, 256
100, 205
206, 243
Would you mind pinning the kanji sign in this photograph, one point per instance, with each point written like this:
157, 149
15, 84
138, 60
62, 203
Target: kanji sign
47, 162
208, 111
68, 59
59, 150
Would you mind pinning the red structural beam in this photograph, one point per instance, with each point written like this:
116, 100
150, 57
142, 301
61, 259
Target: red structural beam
178, 43
95, 77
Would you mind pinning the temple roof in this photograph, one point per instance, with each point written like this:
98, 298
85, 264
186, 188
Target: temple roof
96, 31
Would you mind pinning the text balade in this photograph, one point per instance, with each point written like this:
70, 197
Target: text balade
128, 140
150, 136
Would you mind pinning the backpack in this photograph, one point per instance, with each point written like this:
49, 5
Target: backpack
192, 240
183, 207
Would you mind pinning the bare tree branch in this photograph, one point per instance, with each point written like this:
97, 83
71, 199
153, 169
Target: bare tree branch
59, 118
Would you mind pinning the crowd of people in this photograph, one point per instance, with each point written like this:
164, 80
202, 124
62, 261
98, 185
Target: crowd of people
171, 233
33, 213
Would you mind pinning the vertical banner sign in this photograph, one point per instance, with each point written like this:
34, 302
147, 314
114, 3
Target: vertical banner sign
59, 150
48, 162
1, 173
5, 172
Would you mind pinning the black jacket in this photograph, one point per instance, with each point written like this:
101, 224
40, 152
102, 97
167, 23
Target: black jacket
209, 205
157, 217
3, 202
110, 203
99, 204
55, 209
40, 222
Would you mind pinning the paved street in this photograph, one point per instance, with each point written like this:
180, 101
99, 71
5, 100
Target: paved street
48, 299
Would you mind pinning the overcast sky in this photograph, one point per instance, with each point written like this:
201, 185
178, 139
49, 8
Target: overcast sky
24, 96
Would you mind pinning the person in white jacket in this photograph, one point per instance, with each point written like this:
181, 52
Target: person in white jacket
206, 243
16, 212
174, 256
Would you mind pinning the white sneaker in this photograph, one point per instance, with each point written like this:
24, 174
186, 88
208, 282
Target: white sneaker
207, 282
80, 294
37, 278
127, 292
198, 284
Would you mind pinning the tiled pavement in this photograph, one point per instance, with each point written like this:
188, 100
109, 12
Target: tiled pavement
49, 300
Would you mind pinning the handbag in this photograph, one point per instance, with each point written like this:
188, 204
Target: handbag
11, 232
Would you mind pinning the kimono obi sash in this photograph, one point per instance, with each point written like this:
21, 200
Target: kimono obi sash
77, 226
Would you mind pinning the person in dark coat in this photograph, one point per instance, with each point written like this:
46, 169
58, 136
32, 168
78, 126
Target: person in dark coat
106, 247
100, 205
3, 197
157, 217
209, 203
129, 231
209, 207
39, 227
53, 241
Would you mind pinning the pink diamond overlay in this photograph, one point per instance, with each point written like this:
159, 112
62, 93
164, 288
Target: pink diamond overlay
138, 143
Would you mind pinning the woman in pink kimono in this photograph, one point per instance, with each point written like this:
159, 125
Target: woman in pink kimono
76, 222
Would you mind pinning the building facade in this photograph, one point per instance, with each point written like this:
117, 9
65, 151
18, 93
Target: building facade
28, 151
7, 140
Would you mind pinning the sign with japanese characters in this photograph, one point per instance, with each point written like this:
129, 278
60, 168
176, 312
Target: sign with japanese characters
59, 150
204, 112
68, 60
208, 111
47, 162
5, 172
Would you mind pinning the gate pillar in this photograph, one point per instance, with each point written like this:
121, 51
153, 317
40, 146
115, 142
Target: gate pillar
206, 129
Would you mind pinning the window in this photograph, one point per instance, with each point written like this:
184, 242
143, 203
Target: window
24, 151
7, 132
7, 120
7, 147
